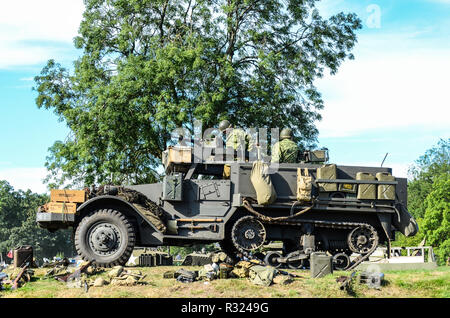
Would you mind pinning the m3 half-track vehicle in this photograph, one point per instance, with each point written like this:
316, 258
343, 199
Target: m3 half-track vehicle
346, 210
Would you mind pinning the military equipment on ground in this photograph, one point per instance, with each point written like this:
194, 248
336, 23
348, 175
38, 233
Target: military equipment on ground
335, 209
197, 259
345, 282
23, 255
145, 257
372, 279
321, 264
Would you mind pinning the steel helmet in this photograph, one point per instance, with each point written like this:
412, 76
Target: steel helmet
286, 133
224, 124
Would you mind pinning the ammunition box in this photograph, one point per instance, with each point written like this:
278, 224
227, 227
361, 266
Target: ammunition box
179, 155
62, 207
169, 274
71, 196
385, 191
318, 156
23, 255
327, 172
366, 191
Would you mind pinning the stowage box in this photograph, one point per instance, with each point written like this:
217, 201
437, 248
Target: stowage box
23, 255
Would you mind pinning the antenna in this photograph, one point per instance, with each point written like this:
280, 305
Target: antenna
384, 159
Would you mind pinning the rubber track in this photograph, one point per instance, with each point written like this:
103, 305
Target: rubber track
325, 224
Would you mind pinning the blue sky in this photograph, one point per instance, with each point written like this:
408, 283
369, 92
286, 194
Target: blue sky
393, 98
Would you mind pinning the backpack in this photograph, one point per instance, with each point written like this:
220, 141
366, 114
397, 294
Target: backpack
262, 275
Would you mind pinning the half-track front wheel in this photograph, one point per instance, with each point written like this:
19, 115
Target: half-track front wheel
106, 237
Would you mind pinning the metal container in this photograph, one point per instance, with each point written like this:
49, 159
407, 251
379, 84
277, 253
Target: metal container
321, 265
366, 191
173, 187
224, 270
327, 172
385, 191
146, 260
23, 255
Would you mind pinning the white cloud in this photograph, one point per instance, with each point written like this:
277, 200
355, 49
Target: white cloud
25, 178
394, 82
31, 31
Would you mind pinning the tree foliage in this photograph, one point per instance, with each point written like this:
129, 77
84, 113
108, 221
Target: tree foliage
429, 167
436, 225
18, 224
150, 66
429, 200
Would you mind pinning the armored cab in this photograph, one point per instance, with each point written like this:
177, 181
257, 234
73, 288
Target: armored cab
311, 206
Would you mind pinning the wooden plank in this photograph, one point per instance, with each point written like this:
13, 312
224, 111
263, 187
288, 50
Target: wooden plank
72, 196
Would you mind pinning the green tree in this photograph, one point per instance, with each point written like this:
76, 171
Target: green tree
436, 223
18, 224
433, 164
149, 66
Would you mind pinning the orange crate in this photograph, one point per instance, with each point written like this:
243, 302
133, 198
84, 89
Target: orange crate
60, 207
72, 196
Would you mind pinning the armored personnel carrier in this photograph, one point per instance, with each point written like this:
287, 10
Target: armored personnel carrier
314, 206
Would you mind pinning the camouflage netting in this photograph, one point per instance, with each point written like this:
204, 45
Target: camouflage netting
149, 209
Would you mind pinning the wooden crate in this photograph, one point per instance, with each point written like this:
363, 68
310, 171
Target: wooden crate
180, 155
72, 196
60, 207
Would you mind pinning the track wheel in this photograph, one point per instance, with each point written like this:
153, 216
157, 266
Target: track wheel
271, 259
248, 234
106, 237
341, 261
363, 239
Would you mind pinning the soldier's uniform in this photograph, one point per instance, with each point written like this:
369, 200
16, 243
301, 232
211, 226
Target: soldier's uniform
235, 139
285, 151
239, 137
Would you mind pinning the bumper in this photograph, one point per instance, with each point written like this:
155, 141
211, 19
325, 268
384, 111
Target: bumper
54, 220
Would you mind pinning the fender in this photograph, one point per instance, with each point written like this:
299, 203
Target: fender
109, 201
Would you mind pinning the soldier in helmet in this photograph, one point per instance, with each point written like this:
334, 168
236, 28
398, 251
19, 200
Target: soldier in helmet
236, 137
286, 150
234, 140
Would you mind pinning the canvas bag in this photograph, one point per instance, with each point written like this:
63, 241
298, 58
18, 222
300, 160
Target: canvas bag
242, 269
304, 185
262, 275
260, 178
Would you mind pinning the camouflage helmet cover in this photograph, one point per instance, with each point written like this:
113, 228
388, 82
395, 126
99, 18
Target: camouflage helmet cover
286, 133
224, 124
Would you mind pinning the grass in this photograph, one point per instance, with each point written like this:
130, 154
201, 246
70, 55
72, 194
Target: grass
399, 284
